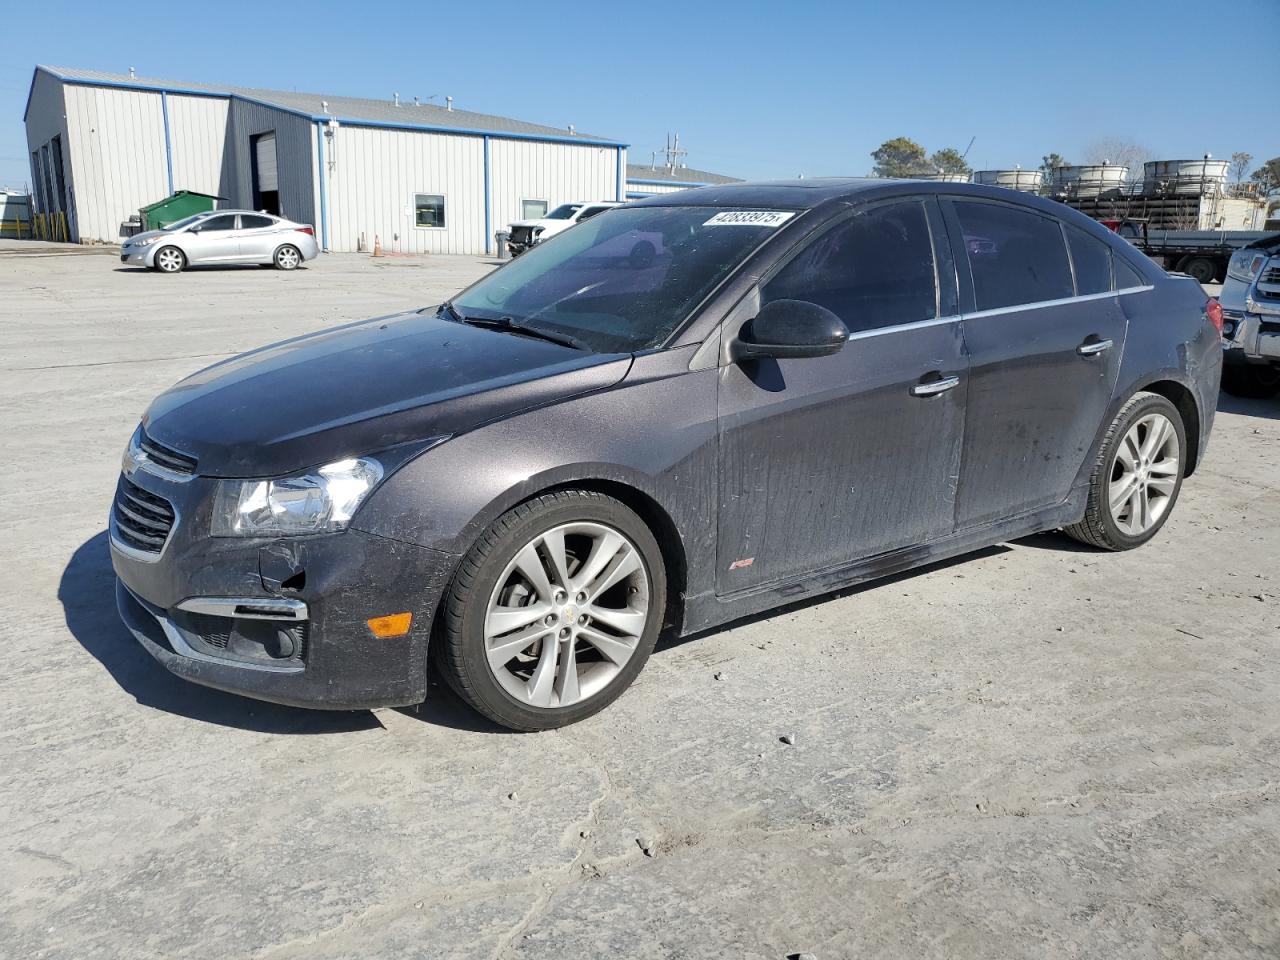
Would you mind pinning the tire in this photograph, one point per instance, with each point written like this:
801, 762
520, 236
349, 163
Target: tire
287, 257
1158, 476
170, 260
1202, 269
1256, 380
488, 597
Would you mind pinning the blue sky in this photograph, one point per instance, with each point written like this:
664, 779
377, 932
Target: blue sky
754, 89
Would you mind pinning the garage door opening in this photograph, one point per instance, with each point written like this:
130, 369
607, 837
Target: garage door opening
266, 186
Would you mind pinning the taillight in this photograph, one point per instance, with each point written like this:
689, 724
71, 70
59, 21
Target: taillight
309, 230
1213, 310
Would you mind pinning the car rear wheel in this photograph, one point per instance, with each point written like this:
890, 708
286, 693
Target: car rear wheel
555, 610
170, 260
1137, 477
287, 258
1251, 380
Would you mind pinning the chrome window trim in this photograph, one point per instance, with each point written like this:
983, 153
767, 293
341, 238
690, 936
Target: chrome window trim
1061, 301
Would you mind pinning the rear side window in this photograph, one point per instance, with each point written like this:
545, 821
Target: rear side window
1092, 261
1015, 256
1126, 277
249, 221
873, 270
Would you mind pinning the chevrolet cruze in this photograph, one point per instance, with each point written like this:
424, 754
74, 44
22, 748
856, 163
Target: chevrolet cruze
685, 410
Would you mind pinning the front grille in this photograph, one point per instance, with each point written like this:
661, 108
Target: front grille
143, 520
521, 234
1270, 275
167, 457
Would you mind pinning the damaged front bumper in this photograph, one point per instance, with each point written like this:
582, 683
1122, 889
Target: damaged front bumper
1251, 336
283, 620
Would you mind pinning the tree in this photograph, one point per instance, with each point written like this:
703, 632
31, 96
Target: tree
1051, 162
1240, 165
900, 157
1267, 176
1118, 150
949, 160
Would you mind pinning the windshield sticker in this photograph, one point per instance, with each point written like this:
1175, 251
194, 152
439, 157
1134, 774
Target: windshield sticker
750, 218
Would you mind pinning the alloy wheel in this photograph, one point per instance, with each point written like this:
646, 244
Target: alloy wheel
169, 259
1144, 475
287, 258
567, 614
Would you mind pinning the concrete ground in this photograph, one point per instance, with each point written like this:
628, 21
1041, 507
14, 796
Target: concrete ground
1040, 751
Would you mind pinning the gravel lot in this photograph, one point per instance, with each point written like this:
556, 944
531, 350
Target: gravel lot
1039, 751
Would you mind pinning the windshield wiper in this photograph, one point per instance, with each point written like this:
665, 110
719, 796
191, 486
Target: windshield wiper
522, 329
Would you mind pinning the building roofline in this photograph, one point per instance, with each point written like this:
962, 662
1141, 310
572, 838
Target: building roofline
179, 90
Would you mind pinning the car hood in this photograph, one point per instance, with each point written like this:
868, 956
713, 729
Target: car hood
145, 235
362, 388
541, 223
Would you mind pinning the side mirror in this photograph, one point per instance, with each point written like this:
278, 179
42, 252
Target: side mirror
788, 329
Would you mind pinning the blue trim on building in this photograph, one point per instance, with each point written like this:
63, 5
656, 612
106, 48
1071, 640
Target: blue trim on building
488, 203
350, 121
669, 183
168, 139
639, 196
324, 187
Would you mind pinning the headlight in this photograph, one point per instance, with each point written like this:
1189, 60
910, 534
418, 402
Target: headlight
145, 241
319, 502
1244, 264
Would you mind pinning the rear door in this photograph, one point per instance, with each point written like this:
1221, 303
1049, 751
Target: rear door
259, 237
829, 460
1045, 335
213, 240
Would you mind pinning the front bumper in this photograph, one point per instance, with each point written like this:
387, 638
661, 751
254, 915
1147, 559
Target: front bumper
135, 257
281, 620
1252, 336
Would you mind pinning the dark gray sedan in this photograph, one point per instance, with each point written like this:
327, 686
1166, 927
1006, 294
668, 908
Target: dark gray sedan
683, 411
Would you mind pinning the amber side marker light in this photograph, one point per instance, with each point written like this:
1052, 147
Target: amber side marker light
392, 625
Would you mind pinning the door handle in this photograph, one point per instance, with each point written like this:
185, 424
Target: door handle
1092, 347
931, 388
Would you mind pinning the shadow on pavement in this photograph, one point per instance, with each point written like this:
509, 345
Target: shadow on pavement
87, 594
1266, 409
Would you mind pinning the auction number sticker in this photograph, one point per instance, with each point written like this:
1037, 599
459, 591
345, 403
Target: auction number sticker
750, 218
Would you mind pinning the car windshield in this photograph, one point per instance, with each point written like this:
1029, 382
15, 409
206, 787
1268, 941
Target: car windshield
624, 280
186, 221
563, 212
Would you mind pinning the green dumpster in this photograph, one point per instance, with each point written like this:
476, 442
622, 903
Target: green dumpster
184, 203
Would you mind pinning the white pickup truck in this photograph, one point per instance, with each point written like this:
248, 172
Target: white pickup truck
526, 233
1251, 313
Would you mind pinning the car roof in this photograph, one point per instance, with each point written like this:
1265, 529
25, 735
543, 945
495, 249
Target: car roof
255, 213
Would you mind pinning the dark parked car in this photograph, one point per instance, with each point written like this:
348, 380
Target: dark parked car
686, 410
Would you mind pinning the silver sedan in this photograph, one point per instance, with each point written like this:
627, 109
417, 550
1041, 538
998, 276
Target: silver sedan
223, 236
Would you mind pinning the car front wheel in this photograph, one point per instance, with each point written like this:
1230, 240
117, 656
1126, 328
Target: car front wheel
1137, 476
555, 610
170, 260
1251, 380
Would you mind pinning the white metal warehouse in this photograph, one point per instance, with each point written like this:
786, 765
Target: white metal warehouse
654, 179
422, 178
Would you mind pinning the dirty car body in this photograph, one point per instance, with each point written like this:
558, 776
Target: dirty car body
940, 414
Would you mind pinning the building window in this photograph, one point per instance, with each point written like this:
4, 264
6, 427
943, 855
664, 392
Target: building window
533, 209
428, 210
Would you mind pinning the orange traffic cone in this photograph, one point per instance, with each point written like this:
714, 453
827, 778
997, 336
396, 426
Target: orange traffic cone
377, 246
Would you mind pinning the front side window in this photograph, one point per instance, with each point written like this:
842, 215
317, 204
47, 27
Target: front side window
226, 221
1092, 261
625, 280
873, 270
1015, 256
533, 209
428, 210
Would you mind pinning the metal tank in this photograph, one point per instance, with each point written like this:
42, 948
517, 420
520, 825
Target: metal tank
1184, 178
1028, 181
1090, 180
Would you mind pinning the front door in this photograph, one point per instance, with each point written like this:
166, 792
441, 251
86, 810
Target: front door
829, 460
214, 239
1043, 358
